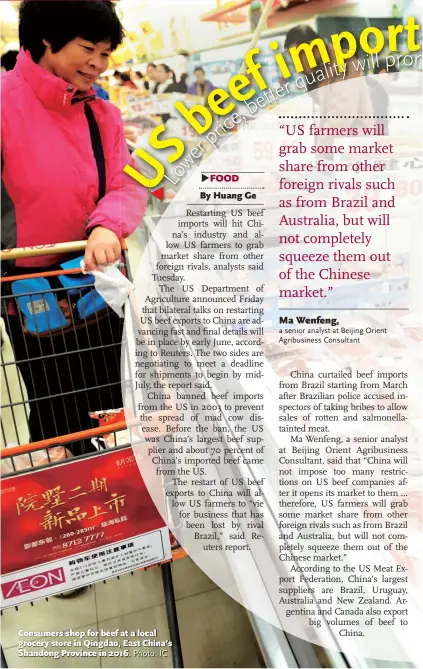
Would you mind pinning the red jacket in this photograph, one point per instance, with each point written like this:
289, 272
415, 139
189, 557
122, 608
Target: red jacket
49, 173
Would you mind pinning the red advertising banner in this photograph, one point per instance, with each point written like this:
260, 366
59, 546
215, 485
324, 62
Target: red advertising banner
77, 523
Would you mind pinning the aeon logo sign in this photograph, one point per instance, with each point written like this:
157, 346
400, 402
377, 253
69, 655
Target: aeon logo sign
41, 581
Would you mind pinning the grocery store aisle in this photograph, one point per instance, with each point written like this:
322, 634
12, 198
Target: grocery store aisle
215, 630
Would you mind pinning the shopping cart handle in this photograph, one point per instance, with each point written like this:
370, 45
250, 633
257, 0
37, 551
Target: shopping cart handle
48, 250
42, 250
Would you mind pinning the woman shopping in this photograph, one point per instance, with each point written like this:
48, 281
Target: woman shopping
350, 100
63, 154
201, 86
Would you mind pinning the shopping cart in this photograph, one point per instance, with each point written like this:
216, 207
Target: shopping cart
54, 381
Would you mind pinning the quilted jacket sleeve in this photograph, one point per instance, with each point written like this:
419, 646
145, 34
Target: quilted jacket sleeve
122, 208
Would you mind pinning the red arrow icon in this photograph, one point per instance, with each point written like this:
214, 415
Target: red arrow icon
158, 193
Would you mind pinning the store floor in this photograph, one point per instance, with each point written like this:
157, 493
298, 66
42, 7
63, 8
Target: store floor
215, 630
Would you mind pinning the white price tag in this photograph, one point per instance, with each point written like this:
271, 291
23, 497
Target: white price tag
148, 105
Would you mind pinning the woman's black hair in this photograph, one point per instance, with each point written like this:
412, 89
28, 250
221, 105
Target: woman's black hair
302, 34
151, 65
165, 67
8, 60
125, 76
199, 69
168, 70
382, 66
182, 86
60, 21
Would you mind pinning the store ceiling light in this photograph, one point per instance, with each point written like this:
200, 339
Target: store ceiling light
7, 13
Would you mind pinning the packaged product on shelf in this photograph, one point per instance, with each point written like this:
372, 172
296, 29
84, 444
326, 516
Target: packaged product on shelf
137, 126
283, 368
112, 439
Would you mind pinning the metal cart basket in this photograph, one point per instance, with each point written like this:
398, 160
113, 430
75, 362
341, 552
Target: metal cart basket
58, 371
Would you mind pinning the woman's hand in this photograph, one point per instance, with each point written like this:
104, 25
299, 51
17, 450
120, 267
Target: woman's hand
103, 248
